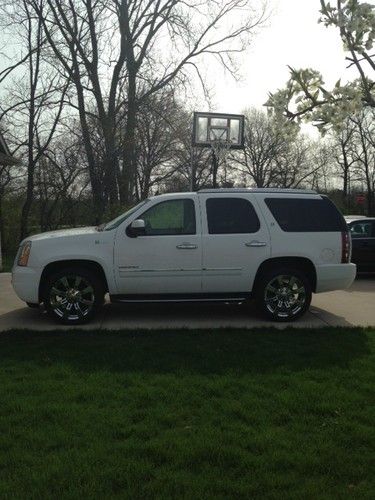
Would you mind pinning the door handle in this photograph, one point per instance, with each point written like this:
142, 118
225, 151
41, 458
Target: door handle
256, 244
186, 246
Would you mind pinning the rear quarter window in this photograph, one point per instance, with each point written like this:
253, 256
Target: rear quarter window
300, 215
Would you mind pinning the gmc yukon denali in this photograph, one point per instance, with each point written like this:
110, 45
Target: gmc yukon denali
276, 246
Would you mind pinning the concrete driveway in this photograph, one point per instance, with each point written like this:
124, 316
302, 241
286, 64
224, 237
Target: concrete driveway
352, 307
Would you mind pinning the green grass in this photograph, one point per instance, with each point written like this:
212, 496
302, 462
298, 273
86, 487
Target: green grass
192, 415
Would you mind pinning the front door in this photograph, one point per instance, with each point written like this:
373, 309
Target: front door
235, 242
167, 259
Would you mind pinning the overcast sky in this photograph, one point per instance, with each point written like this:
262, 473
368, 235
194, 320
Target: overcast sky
292, 37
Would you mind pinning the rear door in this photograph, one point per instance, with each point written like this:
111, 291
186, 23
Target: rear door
235, 242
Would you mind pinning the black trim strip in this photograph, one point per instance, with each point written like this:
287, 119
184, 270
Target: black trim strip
183, 297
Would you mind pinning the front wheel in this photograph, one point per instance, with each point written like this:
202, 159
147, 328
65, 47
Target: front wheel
72, 296
283, 294
32, 305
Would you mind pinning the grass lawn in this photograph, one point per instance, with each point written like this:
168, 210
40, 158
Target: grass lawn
188, 414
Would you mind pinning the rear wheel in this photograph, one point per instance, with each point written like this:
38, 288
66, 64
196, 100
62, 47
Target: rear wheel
72, 296
283, 294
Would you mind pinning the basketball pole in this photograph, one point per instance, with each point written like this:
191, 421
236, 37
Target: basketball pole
215, 166
191, 169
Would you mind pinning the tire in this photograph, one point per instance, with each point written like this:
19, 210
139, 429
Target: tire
32, 305
73, 295
283, 294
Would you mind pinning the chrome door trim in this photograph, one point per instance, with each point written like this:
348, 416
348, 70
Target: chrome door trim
256, 244
187, 246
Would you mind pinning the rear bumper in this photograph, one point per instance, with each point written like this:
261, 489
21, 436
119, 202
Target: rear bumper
334, 277
25, 281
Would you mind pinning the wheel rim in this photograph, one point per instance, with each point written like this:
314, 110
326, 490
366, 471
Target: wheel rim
72, 297
285, 296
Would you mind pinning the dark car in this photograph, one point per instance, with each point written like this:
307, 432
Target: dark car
362, 231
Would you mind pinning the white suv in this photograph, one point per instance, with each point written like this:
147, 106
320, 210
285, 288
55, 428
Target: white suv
277, 246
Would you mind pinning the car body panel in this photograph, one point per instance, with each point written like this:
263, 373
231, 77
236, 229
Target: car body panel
331, 277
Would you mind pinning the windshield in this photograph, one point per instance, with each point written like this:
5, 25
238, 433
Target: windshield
116, 222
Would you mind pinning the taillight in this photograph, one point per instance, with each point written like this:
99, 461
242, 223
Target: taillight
346, 247
24, 254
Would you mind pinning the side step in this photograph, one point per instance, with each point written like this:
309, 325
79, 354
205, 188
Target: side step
179, 297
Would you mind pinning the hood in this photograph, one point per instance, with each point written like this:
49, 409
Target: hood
63, 233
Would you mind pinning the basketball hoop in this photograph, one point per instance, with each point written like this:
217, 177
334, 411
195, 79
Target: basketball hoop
220, 149
221, 132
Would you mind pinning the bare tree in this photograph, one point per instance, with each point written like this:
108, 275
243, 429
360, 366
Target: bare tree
276, 153
343, 153
35, 102
217, 28
82, 34
59, 179
5, 180
321, 178
364, 153
264, 143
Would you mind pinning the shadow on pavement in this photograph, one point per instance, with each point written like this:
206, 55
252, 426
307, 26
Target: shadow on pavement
329, 318
169, 316
36, 319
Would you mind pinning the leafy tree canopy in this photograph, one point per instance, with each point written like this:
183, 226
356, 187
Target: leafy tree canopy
306, 97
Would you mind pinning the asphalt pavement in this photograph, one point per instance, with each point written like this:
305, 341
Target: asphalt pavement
352, 307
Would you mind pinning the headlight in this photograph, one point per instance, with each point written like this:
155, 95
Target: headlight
24, 255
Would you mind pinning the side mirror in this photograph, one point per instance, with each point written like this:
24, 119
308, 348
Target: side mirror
136, 228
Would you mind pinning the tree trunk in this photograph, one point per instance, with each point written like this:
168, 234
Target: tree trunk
28, 202
128, 176
110, 163
33, 82
96, 187
1, 230
345, 177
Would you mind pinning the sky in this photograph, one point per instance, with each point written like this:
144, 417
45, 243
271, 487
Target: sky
292, 37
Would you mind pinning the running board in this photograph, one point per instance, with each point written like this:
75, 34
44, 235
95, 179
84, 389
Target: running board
204, 297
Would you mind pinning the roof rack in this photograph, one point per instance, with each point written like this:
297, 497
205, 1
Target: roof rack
259, 190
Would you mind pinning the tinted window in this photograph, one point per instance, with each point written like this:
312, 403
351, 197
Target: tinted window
362, 229
121, 218
231, 215
170, 217
306, 215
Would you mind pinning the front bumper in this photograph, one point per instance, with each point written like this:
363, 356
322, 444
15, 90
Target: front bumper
331, 277
25, 281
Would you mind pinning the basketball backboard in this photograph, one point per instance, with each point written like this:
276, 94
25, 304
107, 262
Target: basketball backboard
210, 128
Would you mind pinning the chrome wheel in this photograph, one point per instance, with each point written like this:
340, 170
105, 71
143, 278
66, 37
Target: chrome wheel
72, 298
285, 296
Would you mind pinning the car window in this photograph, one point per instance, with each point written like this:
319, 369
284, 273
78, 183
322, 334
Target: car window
121, 218
170, 217
231, 216
361, 229
306, 214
